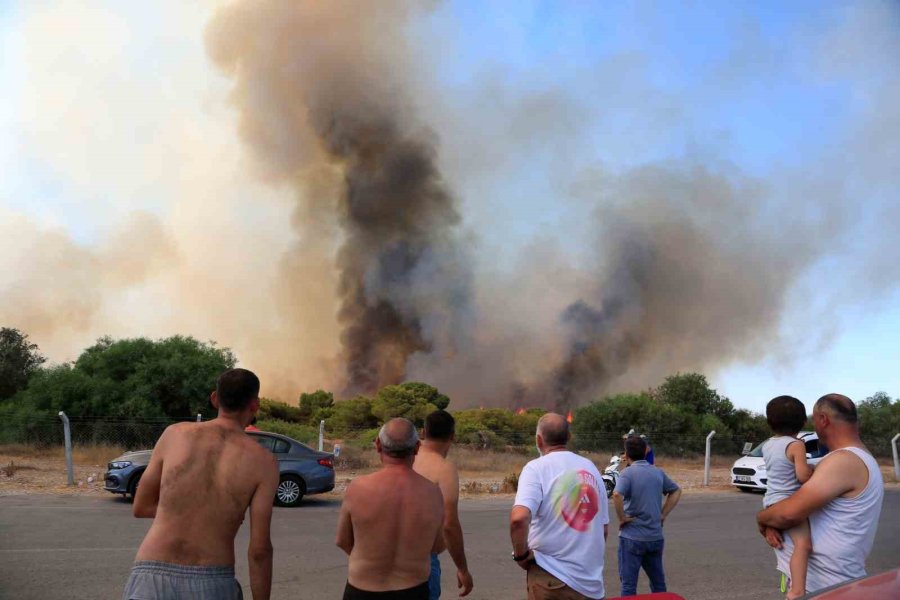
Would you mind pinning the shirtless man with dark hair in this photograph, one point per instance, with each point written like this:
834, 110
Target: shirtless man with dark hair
431, 462
391, 522
201, 479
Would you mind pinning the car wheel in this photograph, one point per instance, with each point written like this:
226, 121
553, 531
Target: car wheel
133, 484
290, 491
609, 487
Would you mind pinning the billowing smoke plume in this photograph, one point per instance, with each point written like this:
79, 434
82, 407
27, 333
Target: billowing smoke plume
343, 244
325, 74
54, 287
688, 270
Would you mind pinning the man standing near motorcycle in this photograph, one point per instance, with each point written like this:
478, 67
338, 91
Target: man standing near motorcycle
639, 506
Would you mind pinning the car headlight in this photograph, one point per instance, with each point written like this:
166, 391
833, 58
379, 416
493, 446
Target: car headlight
119, 464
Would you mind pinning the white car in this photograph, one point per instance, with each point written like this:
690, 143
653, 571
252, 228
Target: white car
749, 471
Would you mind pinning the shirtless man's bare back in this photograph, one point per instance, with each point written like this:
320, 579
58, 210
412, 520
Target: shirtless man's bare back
201, 479
391, 522
431, 462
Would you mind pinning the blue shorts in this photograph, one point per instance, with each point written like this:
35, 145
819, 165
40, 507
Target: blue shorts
434, 580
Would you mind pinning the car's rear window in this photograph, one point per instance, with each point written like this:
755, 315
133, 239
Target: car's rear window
266, 442
281, 447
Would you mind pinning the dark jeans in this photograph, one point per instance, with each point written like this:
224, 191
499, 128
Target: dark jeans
632, 556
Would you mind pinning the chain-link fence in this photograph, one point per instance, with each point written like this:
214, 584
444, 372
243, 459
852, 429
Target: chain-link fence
134, 434
121, 432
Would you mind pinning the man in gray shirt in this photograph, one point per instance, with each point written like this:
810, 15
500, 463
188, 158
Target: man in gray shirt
638, 500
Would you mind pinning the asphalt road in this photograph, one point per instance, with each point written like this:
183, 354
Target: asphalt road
82, 547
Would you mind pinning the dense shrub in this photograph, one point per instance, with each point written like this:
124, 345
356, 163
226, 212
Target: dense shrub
301, 433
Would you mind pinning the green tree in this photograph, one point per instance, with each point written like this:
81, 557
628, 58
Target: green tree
397, 401
746, 426
316, 406
280, 411
691, 391
351, 415
496, 426
427, 394
170, 378
19, 360
879, 421
601, 425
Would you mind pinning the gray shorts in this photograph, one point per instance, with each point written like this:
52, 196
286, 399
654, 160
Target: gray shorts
151, 580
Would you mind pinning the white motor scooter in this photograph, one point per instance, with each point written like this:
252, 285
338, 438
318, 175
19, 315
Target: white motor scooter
611, 474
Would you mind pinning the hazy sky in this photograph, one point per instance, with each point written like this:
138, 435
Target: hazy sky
109, 109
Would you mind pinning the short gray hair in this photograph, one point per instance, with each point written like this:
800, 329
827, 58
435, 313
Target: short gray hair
554, 429
398, 438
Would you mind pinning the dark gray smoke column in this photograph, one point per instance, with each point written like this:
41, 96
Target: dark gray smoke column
321, 86
393, 212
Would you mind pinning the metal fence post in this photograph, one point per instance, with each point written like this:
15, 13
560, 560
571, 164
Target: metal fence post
68, 438
896, 459
321, 435
706, 462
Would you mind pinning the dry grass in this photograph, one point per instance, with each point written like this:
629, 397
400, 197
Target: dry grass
470, 461
356, 459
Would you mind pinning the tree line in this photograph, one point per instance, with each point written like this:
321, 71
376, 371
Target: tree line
160, 381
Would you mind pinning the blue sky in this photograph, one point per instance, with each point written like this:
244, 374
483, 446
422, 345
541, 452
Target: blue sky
781, 92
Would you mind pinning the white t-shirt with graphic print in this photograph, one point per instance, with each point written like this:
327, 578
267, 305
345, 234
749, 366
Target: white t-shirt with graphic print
568, 507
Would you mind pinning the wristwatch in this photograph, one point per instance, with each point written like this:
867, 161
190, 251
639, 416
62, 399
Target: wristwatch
520, 557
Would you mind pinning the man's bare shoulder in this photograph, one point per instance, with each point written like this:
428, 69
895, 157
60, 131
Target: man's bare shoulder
842, 471
362, 483
175, 434
429, 487
181, 428
435, 467
840, 460
263, 457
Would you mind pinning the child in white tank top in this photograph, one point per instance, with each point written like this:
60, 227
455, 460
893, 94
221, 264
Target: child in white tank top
787, 470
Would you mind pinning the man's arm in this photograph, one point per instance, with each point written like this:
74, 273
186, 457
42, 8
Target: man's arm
259, 553
519, 524
344, 539
147, 498
796, 452
453, 533
619, 503
835, 476
529, 496
672, 499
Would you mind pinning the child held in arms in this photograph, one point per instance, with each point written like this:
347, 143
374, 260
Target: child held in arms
787, 470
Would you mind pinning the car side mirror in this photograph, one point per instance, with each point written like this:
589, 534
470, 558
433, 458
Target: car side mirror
747, 448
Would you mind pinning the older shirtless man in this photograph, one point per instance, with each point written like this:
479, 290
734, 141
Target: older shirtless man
842, 501
431, 462
197, 487
391, 522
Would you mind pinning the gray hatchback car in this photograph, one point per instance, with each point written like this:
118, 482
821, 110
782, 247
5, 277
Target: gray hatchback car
303, 470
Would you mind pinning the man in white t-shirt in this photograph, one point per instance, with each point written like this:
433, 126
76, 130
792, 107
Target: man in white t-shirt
560, 520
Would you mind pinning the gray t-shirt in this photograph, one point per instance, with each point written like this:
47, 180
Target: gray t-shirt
643, 485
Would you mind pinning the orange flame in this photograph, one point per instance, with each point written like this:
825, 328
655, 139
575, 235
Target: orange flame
569, 416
